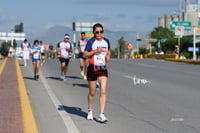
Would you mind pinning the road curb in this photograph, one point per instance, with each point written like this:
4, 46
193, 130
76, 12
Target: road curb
3, 65
27, 114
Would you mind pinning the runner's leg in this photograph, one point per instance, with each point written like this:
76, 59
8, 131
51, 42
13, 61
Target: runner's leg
91, 94
103, 82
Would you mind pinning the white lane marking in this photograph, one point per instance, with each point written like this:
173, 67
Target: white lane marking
69, 124
137, 80
145, 65
177, 119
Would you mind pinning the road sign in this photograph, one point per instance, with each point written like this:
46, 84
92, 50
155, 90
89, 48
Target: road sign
88, 33
186, 24
12, 36
150, 40
163, 40
83, 26
190, 49
179, 31
129, 46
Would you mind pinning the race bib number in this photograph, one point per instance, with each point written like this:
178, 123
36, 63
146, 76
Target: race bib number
64, 53
36, 55
99, 60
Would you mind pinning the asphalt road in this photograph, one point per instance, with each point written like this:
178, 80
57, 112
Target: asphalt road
143, 96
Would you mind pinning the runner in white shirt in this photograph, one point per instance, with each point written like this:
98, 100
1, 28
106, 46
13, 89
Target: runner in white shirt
98, 49
42, 53
63, 50
25, 49
83, 61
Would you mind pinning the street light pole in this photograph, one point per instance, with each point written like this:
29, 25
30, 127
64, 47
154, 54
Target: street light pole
12, 31
74, 43
179, 46
137, 37
118, 51
194, 42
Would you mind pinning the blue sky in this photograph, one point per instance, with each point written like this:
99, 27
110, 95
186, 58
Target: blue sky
115, 15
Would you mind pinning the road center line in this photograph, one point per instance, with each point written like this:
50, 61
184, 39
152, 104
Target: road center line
69, 124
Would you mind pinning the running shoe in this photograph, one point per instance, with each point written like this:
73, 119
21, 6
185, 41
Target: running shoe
37, 77
102, 118
82, 73
90, 116
84, 77
62, 77
97, 86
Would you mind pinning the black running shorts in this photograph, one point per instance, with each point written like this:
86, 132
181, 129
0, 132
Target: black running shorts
93, 72
64, 60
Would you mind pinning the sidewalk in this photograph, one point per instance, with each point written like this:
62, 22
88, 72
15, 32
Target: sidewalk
10, 108
15, 111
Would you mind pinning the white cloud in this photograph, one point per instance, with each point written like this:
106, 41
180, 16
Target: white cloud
133, 2
117, 27
48, 26
8, 22
96, 17
123, 27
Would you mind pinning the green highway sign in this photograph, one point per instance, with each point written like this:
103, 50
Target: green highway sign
163, 40
150, 40
186, 24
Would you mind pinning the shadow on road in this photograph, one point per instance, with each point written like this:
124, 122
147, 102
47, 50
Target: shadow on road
73, 110
81, 85
54, 78
73, 77
30, 78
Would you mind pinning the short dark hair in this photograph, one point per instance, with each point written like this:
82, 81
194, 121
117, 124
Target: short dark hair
35, 42
97, 25
83, 32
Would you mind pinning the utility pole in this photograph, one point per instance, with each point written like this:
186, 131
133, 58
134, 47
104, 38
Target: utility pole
118, 51
137, 42
74, 38
194, 42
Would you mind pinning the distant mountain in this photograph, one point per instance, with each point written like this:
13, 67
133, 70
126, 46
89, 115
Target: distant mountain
56, 34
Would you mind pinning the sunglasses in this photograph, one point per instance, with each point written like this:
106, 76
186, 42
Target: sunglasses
97, 32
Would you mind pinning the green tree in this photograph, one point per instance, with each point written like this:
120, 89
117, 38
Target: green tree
4, 48
122, 46
169, 45
142, 50
161, 33
113, 53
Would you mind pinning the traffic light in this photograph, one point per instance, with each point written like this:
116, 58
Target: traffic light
74, 26
74, 45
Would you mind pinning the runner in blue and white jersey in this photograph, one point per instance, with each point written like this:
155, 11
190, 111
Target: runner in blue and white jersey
36, 56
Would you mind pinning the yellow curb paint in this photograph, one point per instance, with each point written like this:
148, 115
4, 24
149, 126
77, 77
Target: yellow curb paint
27, 114
3, 65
